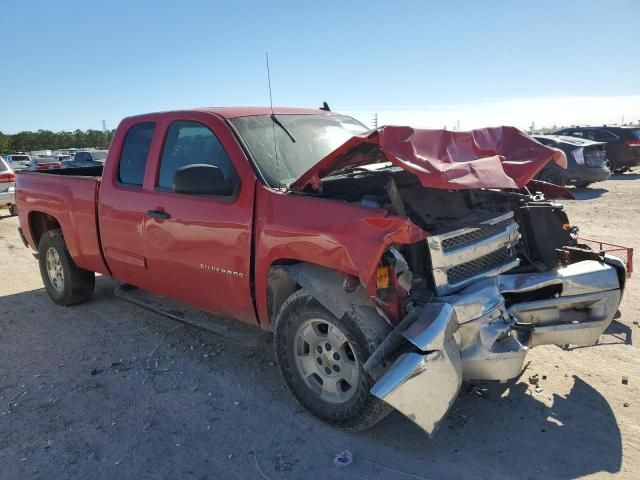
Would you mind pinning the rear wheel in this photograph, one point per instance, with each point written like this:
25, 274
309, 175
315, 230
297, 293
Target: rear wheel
65, 283
613, 166
583, 185
321, 359
13, 210
552, 175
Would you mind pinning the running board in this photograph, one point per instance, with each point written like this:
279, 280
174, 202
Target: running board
227, 328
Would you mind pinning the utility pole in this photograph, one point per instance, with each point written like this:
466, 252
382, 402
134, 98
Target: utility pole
105, 131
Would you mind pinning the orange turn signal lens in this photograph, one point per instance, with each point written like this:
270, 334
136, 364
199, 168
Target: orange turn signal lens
382, 277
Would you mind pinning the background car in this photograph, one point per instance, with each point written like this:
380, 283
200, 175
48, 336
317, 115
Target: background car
7, 187
62, 157
44, 163
586, 161
86, 158
623, 143
18, 161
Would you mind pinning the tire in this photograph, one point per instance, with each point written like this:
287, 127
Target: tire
13, 210
65, 283
552, 175
583, 185
351, 409
614, 168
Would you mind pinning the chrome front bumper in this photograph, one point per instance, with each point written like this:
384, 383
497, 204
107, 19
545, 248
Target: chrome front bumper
474, 335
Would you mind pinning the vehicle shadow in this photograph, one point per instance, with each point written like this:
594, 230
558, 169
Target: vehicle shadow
509, 429
127, 385
588, 193
625, 176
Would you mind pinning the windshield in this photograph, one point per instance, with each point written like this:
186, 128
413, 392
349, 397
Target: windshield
315, 137
19, 158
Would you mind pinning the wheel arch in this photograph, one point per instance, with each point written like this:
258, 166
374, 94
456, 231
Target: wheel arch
40, 223
324, 284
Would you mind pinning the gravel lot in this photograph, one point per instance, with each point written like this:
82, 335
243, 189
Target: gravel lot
108, 390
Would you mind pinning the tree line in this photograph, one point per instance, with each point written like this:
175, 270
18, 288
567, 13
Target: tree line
48, 140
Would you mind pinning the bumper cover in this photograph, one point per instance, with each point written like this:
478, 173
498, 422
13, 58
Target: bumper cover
589, 174
8, 197
475, 335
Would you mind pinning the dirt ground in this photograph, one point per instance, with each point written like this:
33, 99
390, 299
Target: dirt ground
108, 390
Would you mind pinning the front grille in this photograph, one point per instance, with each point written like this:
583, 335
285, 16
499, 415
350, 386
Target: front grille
484, 231
480, 265
463, 256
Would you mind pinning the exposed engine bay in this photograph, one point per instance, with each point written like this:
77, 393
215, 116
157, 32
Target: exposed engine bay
473, 233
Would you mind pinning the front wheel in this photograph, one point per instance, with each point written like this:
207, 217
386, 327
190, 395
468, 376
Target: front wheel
13, 210
65, 283
321, 359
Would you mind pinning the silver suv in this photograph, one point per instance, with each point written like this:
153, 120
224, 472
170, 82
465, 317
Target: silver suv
7, 188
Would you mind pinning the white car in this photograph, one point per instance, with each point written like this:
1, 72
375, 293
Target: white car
18, 161
7, 188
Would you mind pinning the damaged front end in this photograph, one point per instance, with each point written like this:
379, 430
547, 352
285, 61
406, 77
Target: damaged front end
499, 270
483, 330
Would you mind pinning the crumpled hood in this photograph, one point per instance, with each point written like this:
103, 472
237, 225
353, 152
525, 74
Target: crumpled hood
500, 157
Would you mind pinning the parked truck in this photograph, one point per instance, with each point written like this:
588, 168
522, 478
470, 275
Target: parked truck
390, 264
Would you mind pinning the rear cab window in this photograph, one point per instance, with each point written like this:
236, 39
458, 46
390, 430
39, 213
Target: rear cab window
135, 151
187, 143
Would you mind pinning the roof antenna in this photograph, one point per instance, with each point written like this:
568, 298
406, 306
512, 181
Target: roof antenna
273, 119
266, 54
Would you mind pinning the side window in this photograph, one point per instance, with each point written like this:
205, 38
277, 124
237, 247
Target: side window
604, 135
577, 133
190, 143
590, 134
135, 150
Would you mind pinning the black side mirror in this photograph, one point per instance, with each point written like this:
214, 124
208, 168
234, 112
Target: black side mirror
202, 179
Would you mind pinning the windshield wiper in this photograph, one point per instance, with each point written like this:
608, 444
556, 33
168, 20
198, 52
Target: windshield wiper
279, 123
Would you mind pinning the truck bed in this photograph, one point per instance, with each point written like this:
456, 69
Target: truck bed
70, 196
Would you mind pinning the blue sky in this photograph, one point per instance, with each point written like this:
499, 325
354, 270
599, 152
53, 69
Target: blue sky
71, 64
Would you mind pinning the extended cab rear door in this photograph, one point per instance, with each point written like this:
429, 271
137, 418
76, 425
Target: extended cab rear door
124, 200
198, 247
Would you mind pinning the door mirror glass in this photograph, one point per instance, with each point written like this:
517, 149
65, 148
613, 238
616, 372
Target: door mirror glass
202, 179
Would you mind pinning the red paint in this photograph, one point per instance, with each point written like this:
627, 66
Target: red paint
72, 202
215, 253
502, 157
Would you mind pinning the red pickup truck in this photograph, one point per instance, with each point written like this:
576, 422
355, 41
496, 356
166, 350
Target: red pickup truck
389, 264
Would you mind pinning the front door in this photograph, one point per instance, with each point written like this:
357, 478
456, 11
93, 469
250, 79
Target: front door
198, 247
